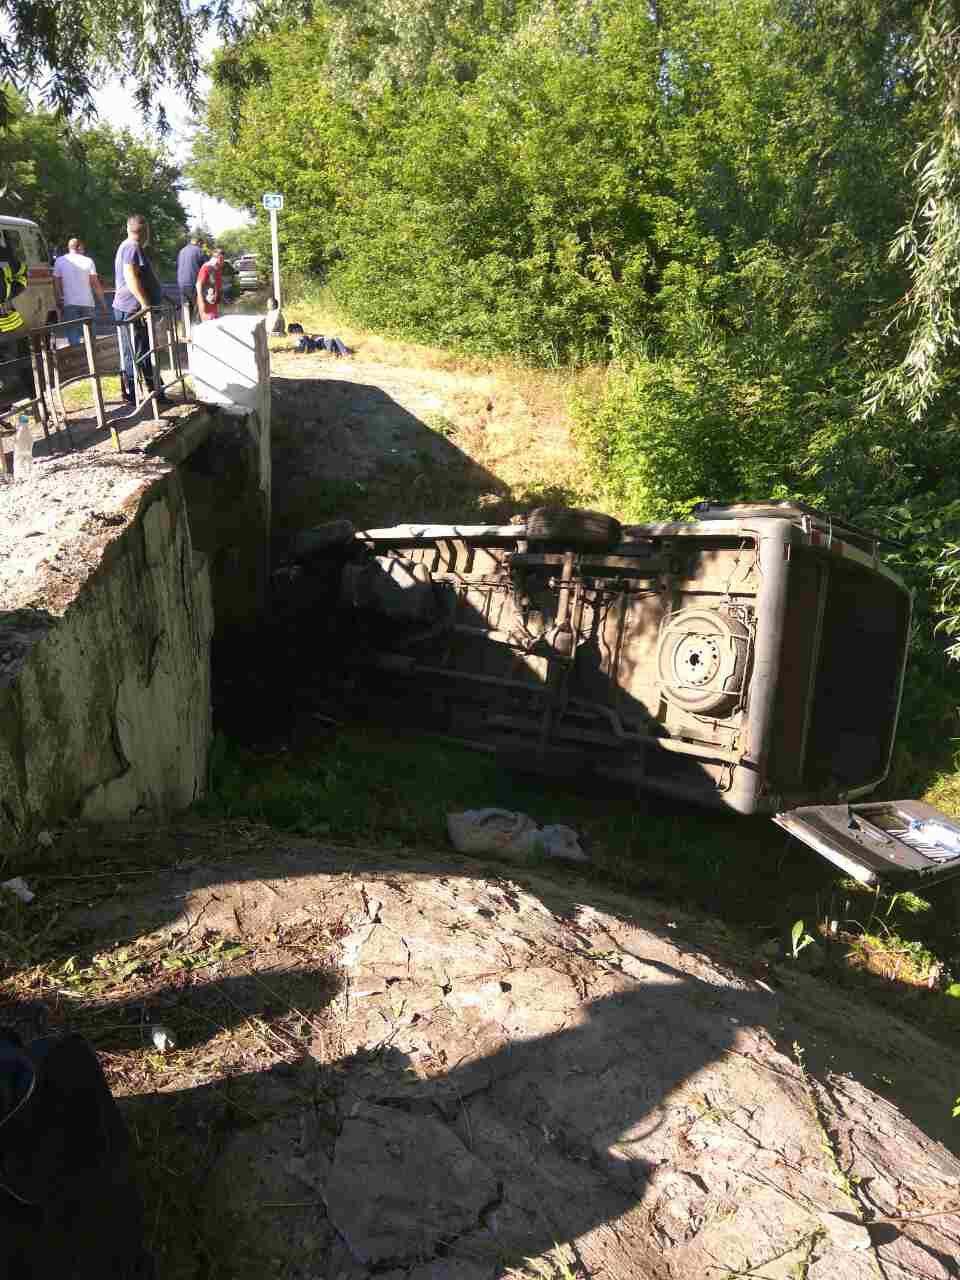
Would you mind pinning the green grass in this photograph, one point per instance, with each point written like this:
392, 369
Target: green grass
944, 792
79, 395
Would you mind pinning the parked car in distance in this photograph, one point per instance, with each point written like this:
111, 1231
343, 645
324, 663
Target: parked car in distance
247, 272
751, 658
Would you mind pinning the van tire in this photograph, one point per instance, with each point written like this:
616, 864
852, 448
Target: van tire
573, 526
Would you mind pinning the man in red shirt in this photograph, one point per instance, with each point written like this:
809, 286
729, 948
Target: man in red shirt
210, 286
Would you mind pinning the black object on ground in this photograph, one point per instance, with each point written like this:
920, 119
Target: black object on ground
69, 1203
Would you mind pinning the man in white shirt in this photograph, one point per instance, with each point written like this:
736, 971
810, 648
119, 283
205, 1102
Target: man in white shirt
75, 280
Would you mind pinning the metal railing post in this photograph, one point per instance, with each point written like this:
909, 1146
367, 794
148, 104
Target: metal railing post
88, 343
38, 386
153, 363
170, 323
188, 393
48, 382
61, 407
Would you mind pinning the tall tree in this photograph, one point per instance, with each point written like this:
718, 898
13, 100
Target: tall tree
87, 182
61, 50
929, 241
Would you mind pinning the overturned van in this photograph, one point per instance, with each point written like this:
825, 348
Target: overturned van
752, 658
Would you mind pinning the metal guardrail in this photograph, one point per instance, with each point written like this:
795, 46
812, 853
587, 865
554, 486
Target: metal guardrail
54, 368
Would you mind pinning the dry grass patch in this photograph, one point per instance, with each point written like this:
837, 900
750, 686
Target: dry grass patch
509, 418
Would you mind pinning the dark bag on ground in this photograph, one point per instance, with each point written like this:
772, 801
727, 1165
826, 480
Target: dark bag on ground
69, 1204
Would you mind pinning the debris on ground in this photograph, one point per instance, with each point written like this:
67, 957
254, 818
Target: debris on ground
512, 835
162, 1037
19, 887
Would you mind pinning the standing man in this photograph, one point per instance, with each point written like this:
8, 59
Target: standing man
137, 289
210, 286
189, 261
75, 281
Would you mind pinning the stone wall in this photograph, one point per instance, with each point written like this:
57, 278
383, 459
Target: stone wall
105, 708
116, 570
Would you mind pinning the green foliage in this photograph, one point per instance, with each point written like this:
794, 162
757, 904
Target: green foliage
236, 241
88, 183
572, 181
63, 51
283, 132
947, 574
490, 224
929, 242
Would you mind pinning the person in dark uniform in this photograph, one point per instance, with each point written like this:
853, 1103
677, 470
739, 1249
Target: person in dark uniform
13, 281
189, 261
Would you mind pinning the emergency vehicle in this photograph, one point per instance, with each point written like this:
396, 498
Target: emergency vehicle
22, 243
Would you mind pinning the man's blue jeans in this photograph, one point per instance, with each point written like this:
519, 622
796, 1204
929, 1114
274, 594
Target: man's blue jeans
71, 311
139, 347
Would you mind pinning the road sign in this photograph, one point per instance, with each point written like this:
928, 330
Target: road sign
273, 201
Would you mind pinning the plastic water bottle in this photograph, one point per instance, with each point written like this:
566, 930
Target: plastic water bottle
23, 449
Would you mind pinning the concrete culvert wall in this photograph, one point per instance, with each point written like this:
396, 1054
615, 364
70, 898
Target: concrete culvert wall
114, 571
104, 707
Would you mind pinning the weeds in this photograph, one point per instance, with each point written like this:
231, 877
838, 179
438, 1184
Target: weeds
798, 939
895, 957
556, 1266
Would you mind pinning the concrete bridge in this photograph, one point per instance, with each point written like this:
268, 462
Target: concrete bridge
116, 568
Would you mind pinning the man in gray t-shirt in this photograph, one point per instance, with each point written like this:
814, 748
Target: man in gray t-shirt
137, 288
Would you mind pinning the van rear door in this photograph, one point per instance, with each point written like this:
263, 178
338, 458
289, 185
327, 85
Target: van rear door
905, 841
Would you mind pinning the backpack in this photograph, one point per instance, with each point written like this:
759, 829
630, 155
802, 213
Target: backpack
69, 1204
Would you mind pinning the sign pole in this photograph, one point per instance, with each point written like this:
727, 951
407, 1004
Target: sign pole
276, 256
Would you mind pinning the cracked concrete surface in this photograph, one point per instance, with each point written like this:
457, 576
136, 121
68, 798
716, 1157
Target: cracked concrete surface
514, 1074
95, 674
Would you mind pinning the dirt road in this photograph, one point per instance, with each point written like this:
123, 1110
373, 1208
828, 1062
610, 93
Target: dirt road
432, 1067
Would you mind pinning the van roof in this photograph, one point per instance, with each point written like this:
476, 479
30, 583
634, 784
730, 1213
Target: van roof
7, 221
